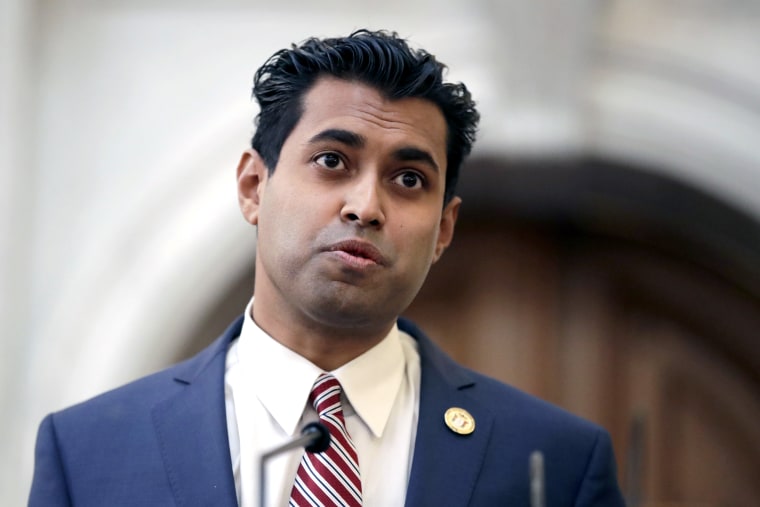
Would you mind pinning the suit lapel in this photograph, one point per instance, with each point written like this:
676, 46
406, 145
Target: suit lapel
446, 465
191, 427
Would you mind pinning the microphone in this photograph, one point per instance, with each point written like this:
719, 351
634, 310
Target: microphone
537, 485
315, 437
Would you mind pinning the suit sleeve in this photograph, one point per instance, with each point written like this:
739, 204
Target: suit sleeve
49, 487
600, 487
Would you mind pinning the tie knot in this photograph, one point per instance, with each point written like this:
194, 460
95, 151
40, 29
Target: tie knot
325, 395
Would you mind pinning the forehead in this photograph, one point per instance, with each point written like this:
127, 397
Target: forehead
351, 105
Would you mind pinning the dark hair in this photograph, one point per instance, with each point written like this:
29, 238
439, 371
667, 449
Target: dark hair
379, 59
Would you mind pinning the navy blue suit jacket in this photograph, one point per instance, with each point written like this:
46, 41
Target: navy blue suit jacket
162, 440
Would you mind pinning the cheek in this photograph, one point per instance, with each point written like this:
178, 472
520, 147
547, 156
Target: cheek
420, 239
290, 223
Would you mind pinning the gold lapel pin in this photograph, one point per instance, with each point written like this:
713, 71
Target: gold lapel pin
459, 421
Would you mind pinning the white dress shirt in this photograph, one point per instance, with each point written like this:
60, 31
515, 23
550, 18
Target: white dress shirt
266, 390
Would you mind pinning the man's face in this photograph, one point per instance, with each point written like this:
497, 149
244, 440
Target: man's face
352, 217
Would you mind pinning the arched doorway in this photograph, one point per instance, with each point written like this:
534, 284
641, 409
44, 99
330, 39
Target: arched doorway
623, 296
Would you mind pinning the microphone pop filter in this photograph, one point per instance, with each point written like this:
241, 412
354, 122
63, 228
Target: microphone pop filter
321, 437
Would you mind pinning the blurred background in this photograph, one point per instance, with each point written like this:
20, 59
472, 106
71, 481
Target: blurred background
607, 256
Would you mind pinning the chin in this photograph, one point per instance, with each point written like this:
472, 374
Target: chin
350, 311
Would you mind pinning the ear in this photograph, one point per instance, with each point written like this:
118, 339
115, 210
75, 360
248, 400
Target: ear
251, 177
446, 227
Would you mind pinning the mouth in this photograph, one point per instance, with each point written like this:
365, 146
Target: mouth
358, 252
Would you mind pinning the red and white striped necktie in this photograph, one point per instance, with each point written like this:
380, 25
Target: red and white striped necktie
329, 478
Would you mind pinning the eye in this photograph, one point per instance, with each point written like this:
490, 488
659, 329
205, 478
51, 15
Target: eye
409, 179
329, 160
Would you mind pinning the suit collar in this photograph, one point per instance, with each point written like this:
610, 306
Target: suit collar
191, 369
451, 373
446, 465
191, 427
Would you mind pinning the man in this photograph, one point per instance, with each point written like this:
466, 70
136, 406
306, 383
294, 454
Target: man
350, 184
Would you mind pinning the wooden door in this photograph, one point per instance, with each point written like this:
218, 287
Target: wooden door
661, 352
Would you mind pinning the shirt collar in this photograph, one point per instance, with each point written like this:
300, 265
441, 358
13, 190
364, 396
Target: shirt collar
281, 379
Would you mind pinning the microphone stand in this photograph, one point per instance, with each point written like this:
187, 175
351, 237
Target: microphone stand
315, 437
537, 484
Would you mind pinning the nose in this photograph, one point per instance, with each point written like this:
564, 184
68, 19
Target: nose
363, 203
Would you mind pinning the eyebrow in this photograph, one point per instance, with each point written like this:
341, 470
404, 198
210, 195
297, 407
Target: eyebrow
354, 140
412, 154
351, 139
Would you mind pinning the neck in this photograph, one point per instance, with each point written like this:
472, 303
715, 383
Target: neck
328, 347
